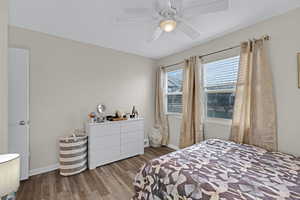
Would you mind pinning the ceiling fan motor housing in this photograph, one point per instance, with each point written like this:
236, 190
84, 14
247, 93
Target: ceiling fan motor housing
168, 13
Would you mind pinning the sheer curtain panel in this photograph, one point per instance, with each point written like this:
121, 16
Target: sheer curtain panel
161, 121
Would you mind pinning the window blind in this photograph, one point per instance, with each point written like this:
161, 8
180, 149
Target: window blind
221, 73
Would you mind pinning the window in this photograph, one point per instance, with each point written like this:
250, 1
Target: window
174, 91
219, 84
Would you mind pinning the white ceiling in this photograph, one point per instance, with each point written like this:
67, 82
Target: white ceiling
92, 21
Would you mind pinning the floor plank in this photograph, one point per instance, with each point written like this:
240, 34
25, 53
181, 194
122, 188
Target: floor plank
109, 182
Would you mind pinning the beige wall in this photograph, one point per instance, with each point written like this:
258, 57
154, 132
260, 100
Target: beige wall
3, 74
68, 79
285, 43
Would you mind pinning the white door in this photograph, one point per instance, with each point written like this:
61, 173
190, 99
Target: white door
18, 106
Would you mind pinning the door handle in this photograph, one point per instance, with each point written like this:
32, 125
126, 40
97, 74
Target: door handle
22, 123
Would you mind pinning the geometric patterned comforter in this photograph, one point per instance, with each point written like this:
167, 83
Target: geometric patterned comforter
217, 169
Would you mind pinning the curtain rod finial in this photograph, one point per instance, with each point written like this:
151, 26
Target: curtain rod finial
267, 37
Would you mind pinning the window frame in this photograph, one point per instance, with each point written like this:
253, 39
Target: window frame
170, 69
205, 91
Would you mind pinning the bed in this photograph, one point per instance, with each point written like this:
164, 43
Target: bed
217, 169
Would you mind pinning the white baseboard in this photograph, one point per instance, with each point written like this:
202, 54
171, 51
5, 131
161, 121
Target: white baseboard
50, 168
172, 146
42, 170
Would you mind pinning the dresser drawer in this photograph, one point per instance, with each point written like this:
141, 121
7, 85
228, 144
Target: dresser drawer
131, 149
135, 136
103, 156
104, 129
105, 141
132, 126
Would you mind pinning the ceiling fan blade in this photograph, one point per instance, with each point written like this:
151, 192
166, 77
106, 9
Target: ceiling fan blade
133, 20
160, 5
205, 7
138, 11
157, 33
156, 6
188, 29
169, 2
177, 5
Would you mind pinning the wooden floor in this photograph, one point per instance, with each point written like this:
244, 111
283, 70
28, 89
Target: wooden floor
109, 182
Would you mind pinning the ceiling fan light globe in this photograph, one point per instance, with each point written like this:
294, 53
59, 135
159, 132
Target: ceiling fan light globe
168, 25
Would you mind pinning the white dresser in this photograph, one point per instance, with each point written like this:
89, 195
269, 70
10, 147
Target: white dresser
112, 141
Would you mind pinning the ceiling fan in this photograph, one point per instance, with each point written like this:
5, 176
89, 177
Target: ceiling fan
169, 15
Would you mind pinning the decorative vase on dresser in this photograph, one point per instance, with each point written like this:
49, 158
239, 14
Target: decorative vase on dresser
112, 141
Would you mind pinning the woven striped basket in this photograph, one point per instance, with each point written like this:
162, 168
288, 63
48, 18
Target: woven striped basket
73, 154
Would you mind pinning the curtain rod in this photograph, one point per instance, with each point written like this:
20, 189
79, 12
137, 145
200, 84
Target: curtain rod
220, 51
266, 37
163, 67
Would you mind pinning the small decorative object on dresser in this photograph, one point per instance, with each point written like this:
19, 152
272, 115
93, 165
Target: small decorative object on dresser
101, 108
298, 70
92, 117
118, 114
134, 113
114, 140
